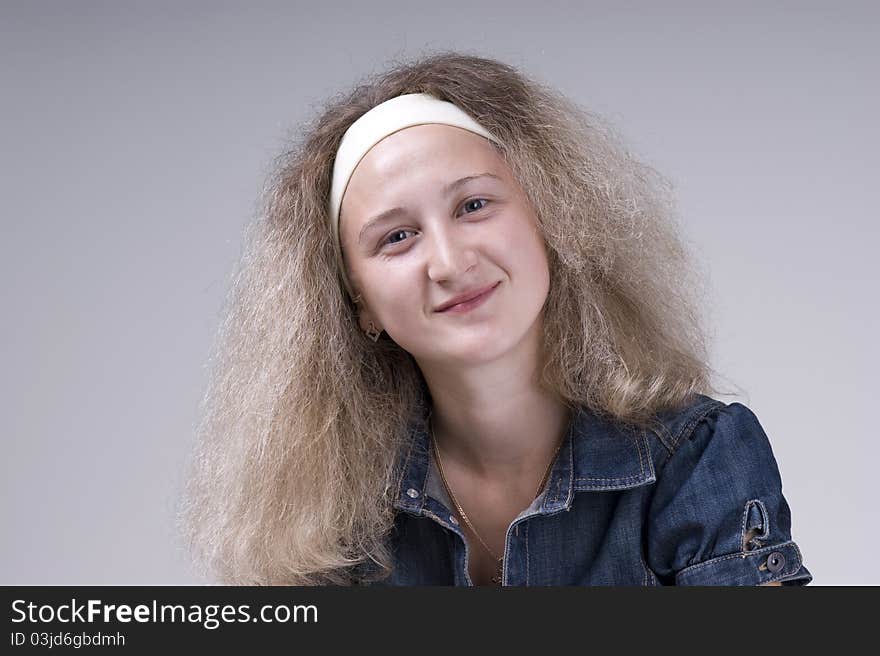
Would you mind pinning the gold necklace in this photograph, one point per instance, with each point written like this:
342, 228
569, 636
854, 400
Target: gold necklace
499, 561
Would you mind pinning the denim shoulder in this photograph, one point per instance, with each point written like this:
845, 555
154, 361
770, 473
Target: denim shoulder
717, 515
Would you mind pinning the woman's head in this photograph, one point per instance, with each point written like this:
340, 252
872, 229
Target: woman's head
304, 416
452, 219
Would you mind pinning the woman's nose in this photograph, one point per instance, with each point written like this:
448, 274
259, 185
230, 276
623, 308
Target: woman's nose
449, 255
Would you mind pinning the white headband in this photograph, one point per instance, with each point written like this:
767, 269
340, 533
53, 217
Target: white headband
382, 120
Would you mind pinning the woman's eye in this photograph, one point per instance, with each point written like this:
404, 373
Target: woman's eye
389, 239
475, 200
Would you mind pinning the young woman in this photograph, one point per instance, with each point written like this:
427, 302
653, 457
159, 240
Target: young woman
463, 348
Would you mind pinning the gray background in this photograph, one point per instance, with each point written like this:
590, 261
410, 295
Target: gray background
135, 139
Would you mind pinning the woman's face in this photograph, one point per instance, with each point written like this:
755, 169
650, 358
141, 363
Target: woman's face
443, 238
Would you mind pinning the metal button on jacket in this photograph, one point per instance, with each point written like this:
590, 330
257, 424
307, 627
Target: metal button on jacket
453, 519
413, 493
775, 561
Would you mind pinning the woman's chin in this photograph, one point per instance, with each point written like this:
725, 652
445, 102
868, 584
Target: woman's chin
464, 352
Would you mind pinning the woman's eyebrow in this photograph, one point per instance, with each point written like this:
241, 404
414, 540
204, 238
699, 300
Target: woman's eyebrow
452, 186
447, 189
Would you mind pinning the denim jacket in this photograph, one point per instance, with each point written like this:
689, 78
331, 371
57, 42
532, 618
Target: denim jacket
668, 506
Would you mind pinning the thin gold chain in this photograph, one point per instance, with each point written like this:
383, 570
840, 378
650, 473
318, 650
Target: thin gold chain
499, 560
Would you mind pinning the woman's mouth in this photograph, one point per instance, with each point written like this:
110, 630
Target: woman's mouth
469, 305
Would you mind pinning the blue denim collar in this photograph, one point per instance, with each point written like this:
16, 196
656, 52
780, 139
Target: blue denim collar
597, 455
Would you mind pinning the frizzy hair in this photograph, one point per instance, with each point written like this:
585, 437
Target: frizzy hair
293, 474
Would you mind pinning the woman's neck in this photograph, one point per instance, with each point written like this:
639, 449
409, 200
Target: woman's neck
492, 421
512, 437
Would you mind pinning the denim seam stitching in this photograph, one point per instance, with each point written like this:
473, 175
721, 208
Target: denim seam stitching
439, 520
571, 479
749, 554
406, 465
662, 434
641, 460
633, 477
570, 492
699, 413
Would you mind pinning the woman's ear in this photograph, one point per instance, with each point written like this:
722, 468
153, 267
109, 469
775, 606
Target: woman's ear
366, 320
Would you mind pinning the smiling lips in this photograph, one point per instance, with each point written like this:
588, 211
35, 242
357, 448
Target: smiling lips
468, 300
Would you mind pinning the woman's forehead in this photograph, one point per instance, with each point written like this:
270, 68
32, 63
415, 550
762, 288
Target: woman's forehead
435, 155
413, 149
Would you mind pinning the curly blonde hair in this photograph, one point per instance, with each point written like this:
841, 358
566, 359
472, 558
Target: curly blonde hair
293, 474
